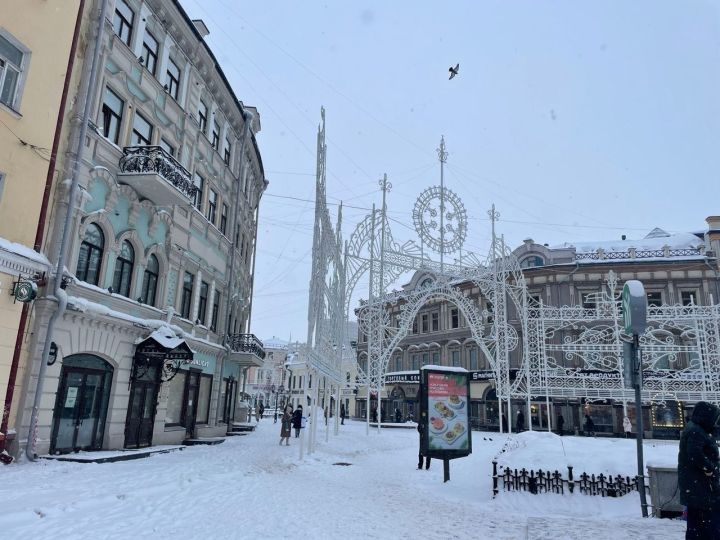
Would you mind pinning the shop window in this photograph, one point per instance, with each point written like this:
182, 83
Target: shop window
91, 254
176, 392
123, 21
203, 411
124, 269
112, 113
150, 279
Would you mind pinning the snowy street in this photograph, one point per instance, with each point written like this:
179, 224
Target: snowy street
250, 487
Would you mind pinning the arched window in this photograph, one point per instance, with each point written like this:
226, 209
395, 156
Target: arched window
149, 287
532, 262
123, 269
91, 254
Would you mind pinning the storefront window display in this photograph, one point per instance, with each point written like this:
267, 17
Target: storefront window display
204, 399
176, 391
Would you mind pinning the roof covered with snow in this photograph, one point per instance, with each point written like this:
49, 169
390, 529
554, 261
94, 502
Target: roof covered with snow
654, 240
275, 343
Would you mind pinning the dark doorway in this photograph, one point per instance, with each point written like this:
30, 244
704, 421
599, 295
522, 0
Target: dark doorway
81, 404
142, 407
190, 402
229, 403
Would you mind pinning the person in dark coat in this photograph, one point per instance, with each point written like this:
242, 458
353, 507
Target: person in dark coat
504, 424
297, 420
373, 415
398, 415
560, 424
285, 424
342, 413
520, 424
589, 426
699, 473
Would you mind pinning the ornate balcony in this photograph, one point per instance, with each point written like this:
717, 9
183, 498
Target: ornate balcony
156, 175
246, 350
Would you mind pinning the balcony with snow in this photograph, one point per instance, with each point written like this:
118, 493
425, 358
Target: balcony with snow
246, 350
156, 175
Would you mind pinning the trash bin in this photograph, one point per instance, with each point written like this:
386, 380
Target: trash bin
664, 492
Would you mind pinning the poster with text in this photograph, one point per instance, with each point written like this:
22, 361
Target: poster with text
448, 426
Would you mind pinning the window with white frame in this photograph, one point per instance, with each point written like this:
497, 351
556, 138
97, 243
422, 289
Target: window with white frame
165, 145
215, 139
123, 21
150, 52
687, 298
112, 113
226, 151
173, 78
199, 183
212, 206
224, 218
203, 116
12, 63
654, 299
142, 131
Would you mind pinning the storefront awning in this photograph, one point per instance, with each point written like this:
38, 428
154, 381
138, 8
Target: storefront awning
161, 346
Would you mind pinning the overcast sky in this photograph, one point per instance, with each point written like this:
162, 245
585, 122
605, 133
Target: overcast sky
579, 120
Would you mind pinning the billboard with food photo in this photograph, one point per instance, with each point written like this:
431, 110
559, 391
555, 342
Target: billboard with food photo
445, 402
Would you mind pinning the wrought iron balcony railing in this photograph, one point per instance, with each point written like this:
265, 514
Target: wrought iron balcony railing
153, 159
246, 343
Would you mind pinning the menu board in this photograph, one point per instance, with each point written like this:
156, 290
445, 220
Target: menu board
447, 412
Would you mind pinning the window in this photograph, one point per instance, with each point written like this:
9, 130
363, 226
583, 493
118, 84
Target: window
173, 78
435, 321
588, 300
473, 352
142, 131
654, 299
436, 358
203, 116
454, 318
150, 52
11, 66
199, 183
187, 291
226, 151
425, 359
123, 21
425, 323
215, 139
223, 218
169, 148
203, 398
398, 363
123, 269
202, 303
176, 393
455, 357
112, 112
215, 312
415, 326
416, 361
532, 262
688, 298
91, 254
212, 206
150, 278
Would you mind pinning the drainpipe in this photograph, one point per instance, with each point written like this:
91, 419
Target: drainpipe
252, 279
24, 315
248, 117
58, 291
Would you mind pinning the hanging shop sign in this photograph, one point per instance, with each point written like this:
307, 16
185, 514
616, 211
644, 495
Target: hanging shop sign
25, 290
444, 403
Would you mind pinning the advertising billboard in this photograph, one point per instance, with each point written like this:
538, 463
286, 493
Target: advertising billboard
445, 403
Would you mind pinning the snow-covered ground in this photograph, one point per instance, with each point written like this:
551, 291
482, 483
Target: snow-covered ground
250, 487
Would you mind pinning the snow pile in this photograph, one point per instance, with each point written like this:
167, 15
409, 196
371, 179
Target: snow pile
23, 251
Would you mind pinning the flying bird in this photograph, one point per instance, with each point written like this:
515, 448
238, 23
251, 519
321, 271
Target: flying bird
454, 70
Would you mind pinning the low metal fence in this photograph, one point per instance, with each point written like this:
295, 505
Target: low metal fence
553, 482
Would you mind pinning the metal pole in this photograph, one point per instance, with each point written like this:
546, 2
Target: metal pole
442, 155
637, 369
58, 290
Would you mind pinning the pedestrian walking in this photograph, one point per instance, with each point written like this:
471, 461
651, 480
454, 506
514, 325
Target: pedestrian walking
326, 415
297, 420
373, 415
520, 424
342, 414
285, 425
422, 430
398, 415
560, 424
627, 427
699, 473
589, 426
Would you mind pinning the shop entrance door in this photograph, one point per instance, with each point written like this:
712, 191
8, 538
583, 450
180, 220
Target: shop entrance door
141, 409
189, 416
229, 405
81, 405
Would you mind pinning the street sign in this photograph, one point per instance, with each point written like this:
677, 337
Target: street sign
634, 307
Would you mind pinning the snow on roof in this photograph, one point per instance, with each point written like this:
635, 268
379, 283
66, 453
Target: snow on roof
275, 343
165, 336
655, 239
445, 368
23, 251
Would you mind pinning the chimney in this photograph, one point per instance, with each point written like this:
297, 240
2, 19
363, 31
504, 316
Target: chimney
201, 27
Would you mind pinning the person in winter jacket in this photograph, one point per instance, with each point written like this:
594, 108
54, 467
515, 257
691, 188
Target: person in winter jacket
699, 473
285, 424
520, 423
297, 420
560, 424
627, 426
